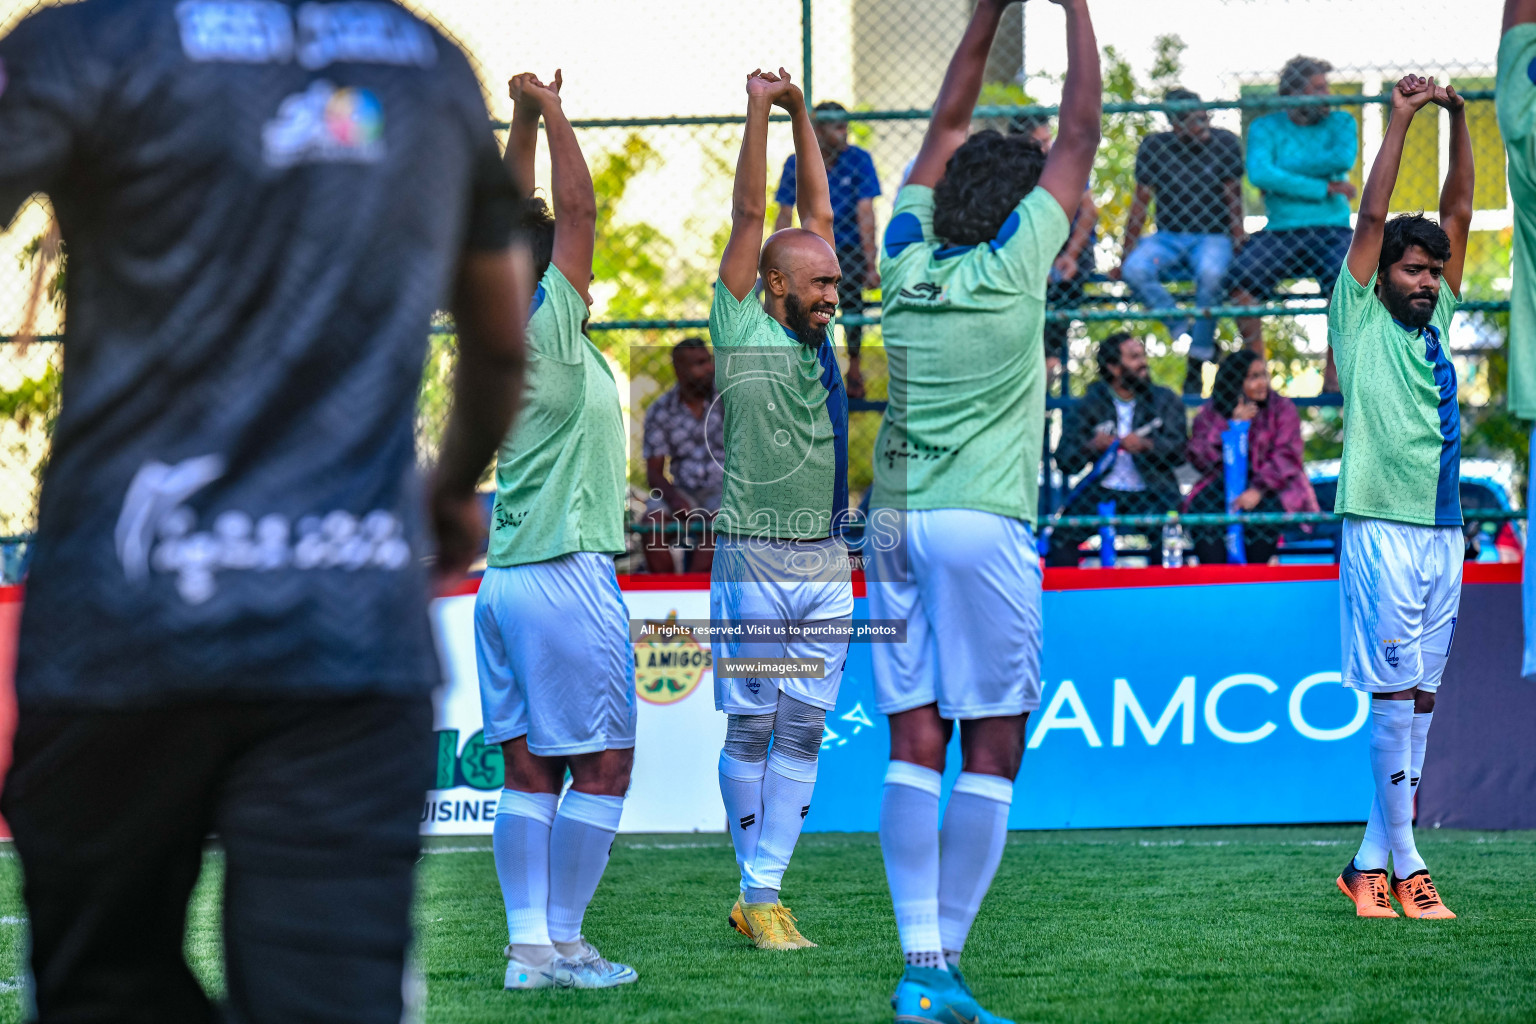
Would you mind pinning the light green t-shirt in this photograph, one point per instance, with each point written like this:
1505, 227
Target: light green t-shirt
963, 329
1402, 425
1517, 123
786, 425
560, 474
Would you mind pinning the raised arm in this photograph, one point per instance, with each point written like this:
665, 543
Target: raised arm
1456, 196
1082, 110
951, 121
1518, 12
1411, 93
574, 201
749, 203
813, 196
522, 135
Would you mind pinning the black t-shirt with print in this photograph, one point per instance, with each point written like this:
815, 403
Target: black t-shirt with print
263, 203
1188, 180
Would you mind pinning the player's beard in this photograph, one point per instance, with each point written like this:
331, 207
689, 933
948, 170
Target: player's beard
798, 317
1402, 307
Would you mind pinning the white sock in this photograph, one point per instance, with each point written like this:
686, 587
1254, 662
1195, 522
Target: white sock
909, 842
520, 846
579, 845
1376, 846
741, 787
970, 849
1391, 764
787, 789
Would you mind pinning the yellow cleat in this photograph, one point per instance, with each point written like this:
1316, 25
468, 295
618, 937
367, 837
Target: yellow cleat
769, 926
738, 919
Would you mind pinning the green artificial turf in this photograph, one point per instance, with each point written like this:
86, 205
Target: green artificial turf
1215, 924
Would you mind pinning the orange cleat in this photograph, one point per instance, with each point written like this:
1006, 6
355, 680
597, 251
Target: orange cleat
1420, 898
1368, 891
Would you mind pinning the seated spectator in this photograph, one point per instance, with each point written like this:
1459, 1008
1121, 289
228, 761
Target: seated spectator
1300, 158
1277, 481
1194, 174
1132, 433
1074, 264
684, 439
854, 185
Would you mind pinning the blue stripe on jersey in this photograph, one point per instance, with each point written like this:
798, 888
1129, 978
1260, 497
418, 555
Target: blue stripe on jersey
1007, 231
837, 411
904, 230
538, 300
1448, 487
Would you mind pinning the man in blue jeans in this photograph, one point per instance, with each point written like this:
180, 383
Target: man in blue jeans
854, 186
1301, 158
1195, 175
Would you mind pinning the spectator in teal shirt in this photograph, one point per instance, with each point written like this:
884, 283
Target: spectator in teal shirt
1300, 158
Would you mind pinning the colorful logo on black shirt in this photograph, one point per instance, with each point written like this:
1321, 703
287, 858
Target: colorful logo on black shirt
325, 124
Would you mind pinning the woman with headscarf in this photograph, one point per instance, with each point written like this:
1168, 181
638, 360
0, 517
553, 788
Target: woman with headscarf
1277, 480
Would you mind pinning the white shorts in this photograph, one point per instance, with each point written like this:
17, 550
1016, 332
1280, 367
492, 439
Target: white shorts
778, 581
968, 585
1399, 589
555, 661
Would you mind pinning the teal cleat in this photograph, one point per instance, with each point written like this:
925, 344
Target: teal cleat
986, 1017
930, 995
591, 970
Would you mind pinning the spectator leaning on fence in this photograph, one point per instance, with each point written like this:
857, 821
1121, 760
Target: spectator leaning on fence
1074, 264
684, 443
1300, 158
853, 184
1194, 173
1277, 481
1142, 422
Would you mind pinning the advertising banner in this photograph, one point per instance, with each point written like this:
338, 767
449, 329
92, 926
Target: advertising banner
1162, 706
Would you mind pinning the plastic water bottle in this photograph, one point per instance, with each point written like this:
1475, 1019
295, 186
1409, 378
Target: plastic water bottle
1173, 545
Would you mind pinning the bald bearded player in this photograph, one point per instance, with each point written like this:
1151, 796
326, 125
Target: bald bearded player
780, 563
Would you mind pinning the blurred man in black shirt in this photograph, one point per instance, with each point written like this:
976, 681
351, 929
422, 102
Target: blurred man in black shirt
225, 628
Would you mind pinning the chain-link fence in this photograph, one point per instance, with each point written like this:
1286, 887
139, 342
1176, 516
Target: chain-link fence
1185, 205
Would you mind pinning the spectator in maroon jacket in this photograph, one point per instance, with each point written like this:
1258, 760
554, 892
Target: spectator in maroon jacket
1277, 481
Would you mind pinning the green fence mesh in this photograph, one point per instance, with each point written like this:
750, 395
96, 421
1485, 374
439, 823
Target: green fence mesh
656, 93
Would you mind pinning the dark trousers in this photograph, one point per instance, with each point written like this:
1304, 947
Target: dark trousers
317, 807
850, 294
1064, 541
1259, 542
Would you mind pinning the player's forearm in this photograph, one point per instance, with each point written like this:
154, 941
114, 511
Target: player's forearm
967, 68
1082, 94
522, 146
1234, 196
749, 202
572, 181
1376, 199
1518, 12
1456, 196
867, 233
813, 197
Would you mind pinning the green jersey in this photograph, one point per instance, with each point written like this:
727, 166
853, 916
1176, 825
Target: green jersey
1517, 123
560, 474
786, 426
1402, 426
963, 328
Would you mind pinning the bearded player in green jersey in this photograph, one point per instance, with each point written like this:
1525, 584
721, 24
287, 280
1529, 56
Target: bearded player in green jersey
1399, 487
780, 561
